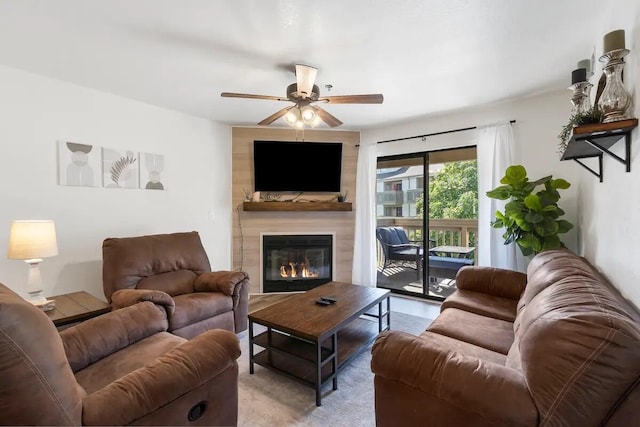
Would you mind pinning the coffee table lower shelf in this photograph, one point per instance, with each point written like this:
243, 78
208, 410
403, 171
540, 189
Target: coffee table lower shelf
310, 343
296, 358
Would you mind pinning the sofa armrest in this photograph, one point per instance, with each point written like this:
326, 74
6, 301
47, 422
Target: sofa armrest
493, 281
101, 336
231, 283
226, 282
128, 297
492, 391
164, 380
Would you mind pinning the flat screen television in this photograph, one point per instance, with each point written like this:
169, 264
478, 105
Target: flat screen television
297, 166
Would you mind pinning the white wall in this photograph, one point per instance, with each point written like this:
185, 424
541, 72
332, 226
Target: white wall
606, 215
610, 211
36, 111
538, 121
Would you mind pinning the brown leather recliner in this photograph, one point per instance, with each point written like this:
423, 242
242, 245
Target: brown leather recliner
116, 369
173, 270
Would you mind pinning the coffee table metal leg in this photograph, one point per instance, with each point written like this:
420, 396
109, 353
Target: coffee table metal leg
388, 312
318, 373
334, 362
250, 347
269, 346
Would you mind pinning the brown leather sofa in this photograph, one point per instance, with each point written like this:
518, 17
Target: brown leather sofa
558, 346
116, 369
173, 270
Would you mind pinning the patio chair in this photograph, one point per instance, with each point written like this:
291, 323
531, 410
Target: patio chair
397, 248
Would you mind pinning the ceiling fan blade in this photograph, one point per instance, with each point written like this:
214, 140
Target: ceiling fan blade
374, 98
250, 96
275, 116
305, 79
329, 119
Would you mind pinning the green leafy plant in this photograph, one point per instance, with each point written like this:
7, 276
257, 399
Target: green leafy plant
531, 219
592, 115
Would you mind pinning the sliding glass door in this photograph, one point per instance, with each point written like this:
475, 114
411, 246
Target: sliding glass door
400, 187
426, 205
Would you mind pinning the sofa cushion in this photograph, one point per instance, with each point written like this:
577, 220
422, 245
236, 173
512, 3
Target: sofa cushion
105, 371
514, 359
482, 304
128, 260
173, 282
192, 308
580, 349
221, 321
549, 267
465, 348
487, 332
96, 338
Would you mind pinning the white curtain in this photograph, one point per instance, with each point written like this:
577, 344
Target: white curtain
495, 154
364, 249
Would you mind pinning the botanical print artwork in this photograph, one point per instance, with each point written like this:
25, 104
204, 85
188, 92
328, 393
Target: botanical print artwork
78, 164
153, 165
119, 168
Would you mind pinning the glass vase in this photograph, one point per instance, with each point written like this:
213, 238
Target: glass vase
615, 99
581, 100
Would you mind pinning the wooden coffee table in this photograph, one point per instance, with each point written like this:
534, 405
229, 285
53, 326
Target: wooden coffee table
311, 343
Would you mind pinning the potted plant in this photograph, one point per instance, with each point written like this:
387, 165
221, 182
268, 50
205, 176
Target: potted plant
531, 219
592, 115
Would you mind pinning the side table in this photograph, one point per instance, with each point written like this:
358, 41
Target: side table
76, 307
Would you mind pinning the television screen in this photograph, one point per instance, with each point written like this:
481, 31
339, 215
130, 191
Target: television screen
297, 166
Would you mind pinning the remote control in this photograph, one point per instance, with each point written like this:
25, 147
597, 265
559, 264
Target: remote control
322, 302
329, 299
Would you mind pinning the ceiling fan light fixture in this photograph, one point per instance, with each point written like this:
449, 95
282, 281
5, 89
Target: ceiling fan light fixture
307, 113
292, 116
316, 121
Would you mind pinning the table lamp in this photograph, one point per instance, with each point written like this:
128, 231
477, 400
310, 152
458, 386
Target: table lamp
32, 241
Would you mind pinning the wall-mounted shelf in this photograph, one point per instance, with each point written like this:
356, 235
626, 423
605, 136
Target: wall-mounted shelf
595, 140
297, 206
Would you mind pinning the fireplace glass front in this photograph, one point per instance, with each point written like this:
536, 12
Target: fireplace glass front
296, 262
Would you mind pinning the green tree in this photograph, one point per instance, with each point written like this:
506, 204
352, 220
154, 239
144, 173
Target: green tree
453, 192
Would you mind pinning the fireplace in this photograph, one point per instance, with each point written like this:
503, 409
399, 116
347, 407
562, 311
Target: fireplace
296, 262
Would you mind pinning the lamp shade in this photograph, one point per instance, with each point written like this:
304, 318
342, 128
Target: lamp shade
32, 240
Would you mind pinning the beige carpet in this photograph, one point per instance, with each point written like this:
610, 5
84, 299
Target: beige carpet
269, 399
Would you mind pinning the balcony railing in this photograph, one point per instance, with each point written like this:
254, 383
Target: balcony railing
389, 198
456, 232
395, 198
410, 196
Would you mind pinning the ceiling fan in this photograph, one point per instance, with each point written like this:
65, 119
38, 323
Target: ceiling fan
305, 95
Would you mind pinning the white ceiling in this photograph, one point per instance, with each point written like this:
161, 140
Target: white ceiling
425, 56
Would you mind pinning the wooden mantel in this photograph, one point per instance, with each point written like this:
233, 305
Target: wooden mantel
297, 206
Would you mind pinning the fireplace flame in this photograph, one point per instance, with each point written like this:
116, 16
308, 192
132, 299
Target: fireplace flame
301, 269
